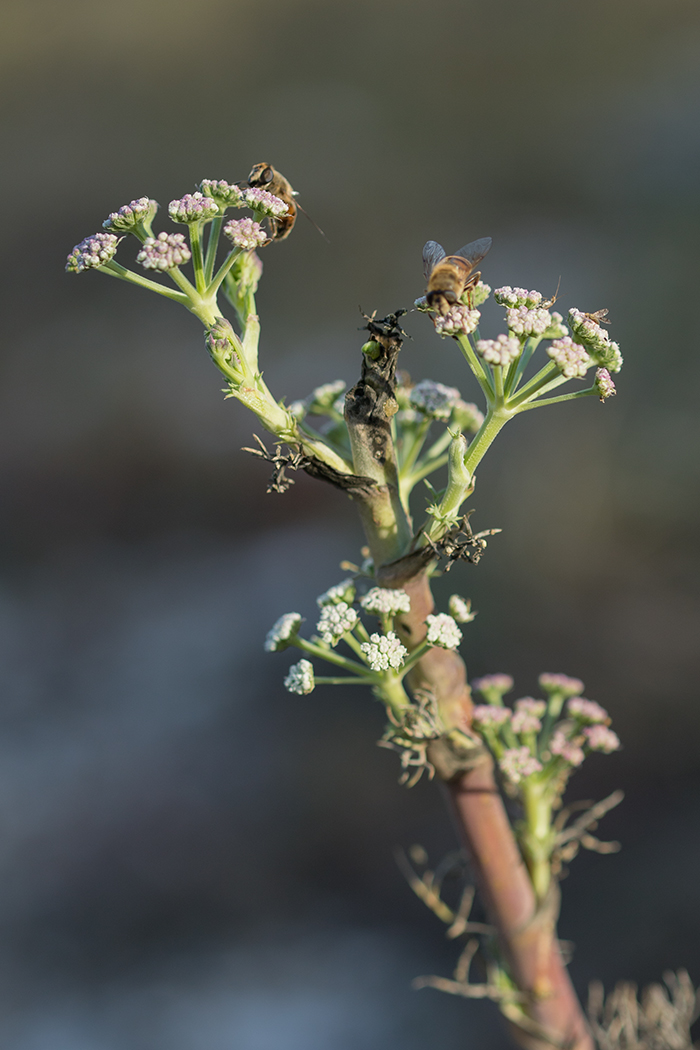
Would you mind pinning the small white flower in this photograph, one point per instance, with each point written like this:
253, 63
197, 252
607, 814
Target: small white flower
571, 358
461, 609
516, 297
384, 651
587, 710
500, 351
300, 678
600, 738
443, 631
341, 592
335, 620
383, 600
279, 636
459, 320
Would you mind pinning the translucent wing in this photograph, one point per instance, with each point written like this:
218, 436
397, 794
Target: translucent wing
475, 251
432, 254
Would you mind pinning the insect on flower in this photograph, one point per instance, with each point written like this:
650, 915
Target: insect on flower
265, 177
450, 276
598, 316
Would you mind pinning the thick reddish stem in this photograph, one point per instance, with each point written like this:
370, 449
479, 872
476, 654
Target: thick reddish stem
528, 937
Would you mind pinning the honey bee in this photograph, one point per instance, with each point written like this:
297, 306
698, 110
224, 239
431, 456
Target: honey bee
450, 276
598, 316
265, 177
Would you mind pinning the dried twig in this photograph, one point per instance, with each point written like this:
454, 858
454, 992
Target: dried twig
661, 1021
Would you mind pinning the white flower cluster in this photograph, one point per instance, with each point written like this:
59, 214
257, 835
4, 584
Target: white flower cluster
459, 320
335, 620
565, 748
596, 340
500, 351
443, 631
93, 251
516, 297
560, 683
193, 207
129, 216
300, 678
246, 234
479, 293
517, 762
537, 321
279, 636
600, 738
570, 358
461, 609
264, 202
164, 252
340, 592
434, 399
226, 193
384, 651
387, 602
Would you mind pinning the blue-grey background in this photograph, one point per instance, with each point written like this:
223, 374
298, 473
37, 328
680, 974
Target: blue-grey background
191, 859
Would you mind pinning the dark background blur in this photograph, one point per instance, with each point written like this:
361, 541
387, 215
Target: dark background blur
192, 859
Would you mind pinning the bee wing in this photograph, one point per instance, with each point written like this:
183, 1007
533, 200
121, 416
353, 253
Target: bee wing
475, 251
432, 254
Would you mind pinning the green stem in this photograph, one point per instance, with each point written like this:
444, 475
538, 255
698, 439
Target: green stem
226, 265
197, 260
538, 838
414, 449
212, 245
563, 397
543, 377
475, 364
393, 693
414, 657
332, 657
495, 420
340, 681
115, 269
531, 345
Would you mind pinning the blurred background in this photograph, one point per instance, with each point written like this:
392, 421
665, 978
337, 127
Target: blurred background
190, 858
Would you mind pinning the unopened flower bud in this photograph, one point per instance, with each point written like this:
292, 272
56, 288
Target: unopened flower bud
477, 294
334, 621
527, 715
536, 321
226, 194
384, 651
385, 601
459, 320
571, 358
514, 298
282, 632
164, 252
193, 207
461, 609
130, 216
500, 351
443, 631
92, 252
264, 202
246, 234
601, 348
300, 678
341, 592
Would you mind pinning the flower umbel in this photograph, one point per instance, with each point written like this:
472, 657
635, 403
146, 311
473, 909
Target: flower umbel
334, 621
517, 763
282, 632
443, 631
386, 602
384, 651
300, 678
164, 252
434, 399
570, 358
93, 251
193, 207
459, 320
246, 234
500, 351
131, 215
